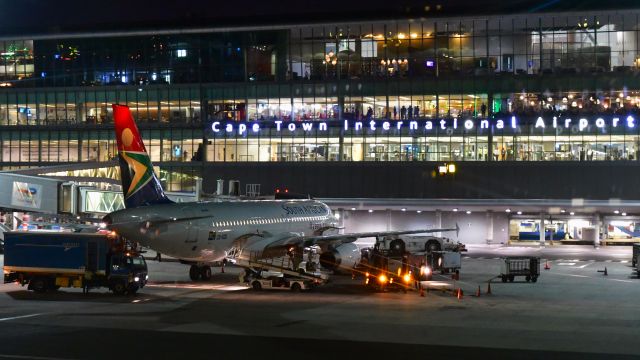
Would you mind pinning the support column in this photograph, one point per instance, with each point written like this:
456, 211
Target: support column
388, 219
542, 232
438, 223
489, 227
597, 222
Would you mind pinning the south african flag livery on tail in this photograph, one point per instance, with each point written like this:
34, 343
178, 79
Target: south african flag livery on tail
139, 183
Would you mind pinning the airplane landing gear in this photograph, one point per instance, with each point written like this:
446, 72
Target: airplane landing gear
205, 273
194, 273
200, 272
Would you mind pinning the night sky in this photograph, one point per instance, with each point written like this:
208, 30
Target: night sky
23, 17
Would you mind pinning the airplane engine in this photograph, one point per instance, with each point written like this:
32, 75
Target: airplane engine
341, 258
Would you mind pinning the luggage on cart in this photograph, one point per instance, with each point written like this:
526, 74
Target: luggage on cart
527, 266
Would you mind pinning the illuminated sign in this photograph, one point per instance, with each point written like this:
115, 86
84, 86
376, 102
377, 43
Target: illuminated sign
575, 124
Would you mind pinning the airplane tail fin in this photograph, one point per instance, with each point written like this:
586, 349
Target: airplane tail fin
139, 183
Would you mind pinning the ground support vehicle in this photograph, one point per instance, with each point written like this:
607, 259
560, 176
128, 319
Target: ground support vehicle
278, 273
273, 280
385, 270
527, 266
635, 255
444, 261
419, 243
49, 261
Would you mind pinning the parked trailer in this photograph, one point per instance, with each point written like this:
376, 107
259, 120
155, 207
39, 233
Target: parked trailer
49, 261
527, 266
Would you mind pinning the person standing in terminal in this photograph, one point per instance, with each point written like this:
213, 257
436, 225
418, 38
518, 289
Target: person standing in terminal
483, 109
410, 111
395, 113
403, 112
416, 111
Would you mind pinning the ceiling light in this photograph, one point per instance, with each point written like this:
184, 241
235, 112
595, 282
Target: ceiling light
370, 210
353, 209
572, 213
404, 209
519, 212
468, 212
455, 209
624, 214
419, 211
616, 211
508, 210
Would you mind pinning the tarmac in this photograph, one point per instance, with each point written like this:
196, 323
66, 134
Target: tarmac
572, 312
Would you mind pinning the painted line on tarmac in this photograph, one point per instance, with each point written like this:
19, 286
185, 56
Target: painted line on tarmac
20, 317
620, 280
29, 357
573, 275
566, 263
584, 266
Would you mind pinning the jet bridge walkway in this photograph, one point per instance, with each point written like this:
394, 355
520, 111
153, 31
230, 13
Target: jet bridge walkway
284, 265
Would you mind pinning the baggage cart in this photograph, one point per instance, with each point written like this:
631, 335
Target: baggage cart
636, 254
527, 266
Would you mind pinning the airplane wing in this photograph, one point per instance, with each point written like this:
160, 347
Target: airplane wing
350, 237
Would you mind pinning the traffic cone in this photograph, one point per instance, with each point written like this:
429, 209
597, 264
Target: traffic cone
421, 292
489, 288
546, 265
460, 294
478, 292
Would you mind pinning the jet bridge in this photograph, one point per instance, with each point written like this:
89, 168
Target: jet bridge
29, 193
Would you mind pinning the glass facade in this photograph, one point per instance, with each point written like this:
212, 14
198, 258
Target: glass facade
55, 94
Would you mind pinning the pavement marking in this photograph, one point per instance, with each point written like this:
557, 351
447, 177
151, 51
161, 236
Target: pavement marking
566, 264
584, 266
19, 317
624, 261
607, 261
29, 357
572, 275
627, 281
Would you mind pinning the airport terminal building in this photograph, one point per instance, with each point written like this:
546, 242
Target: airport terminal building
538, 111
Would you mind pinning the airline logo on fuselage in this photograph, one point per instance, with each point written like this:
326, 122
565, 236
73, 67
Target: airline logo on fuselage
304, 209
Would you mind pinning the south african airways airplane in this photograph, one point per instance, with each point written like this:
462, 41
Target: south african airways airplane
200, 233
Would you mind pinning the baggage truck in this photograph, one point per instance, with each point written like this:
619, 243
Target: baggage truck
48, 261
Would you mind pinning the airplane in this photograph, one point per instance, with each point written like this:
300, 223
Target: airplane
200, 233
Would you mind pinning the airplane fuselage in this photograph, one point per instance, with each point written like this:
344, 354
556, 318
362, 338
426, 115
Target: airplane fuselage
206, 231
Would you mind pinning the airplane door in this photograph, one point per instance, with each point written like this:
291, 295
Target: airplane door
192, 232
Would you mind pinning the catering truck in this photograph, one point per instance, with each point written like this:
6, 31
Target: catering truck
48, 261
